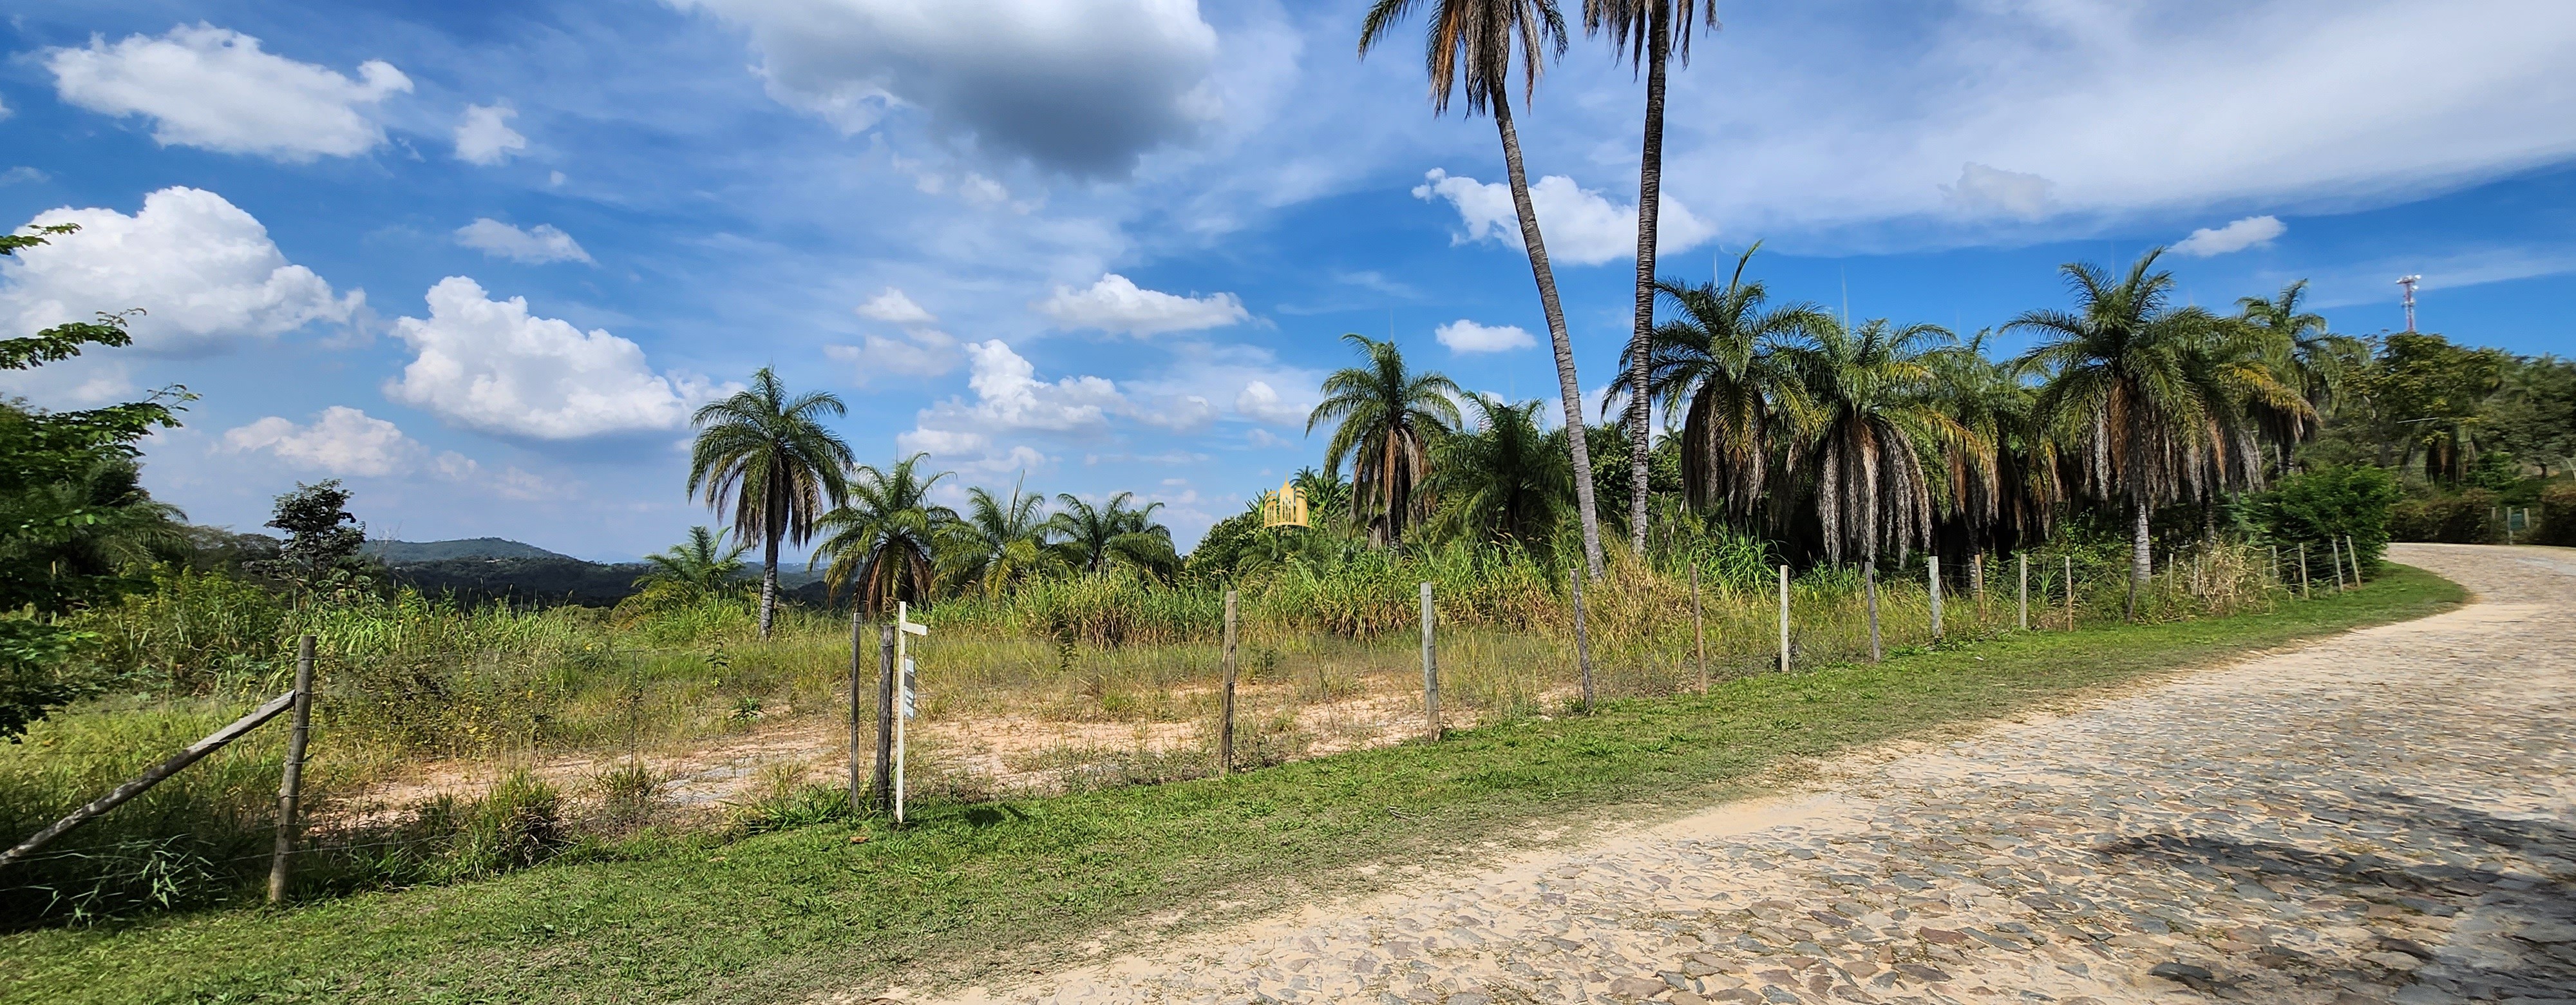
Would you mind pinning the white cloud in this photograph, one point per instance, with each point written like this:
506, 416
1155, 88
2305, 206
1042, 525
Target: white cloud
1116, 304
537, 245
340, 440
894, 308
1083, 86
1009, 398
509, 482
2237, 236
922, 352
6, 111
1581, 226
203, 270
1991, 191
484, 136
491, 365
1261, 403
212, 87
1464, 336
22, 173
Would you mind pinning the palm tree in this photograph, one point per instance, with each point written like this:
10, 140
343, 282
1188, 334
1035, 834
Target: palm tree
2305, 354
772, 456
882, 543
1113, 535
1506, 481
998, 541
700, 565
2005, 479
1386, 418
2122, 390
1480, 39
1863, 423
1711, 363
1652, 32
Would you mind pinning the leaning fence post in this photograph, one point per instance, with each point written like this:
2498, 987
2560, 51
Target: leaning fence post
1225, 698
2304, 592
2070, 593
1582, 641
858, 653
1784, 619
1932, 575
2021, 600
2352, 554
1699, 630
290, 789
2334, 557
1430, 669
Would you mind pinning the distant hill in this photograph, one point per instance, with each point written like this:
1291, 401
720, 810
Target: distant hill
401, 553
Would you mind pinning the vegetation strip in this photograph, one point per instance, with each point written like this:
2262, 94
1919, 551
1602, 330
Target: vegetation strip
979, 893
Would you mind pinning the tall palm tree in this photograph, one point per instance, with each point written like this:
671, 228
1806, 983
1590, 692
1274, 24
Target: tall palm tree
884, 543
1506, 480
771, 455
1864, 427
1652, 33
700, 565
1385, 419
1479, 39
1710, 361
2121, 390
1114, 535
998, 540
2307, 355
2004, 480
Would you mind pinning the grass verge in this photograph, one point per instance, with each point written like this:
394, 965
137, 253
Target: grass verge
980, 892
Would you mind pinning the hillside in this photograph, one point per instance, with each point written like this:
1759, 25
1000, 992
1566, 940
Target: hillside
401, 553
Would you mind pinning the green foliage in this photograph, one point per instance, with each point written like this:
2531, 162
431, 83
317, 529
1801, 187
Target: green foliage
2557, 514
2332, 503
323, 541
2463, 517
1385, 418
768, 457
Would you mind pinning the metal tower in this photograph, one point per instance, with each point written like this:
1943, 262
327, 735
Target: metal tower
2409, 283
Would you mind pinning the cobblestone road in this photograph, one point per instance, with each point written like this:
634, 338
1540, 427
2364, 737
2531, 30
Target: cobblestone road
2385, 816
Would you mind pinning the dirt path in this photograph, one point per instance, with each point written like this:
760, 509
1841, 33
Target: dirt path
2384, 816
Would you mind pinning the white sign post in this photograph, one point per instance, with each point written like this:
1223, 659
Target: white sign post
905, 685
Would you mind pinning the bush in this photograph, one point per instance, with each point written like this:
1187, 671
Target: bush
2465, 517
2557, 514
2334, 502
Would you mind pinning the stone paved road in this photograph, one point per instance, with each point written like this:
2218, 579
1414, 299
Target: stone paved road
2385, 816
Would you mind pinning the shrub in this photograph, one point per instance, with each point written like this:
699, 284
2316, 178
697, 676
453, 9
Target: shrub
2557, 514
2333, 502
2465, 517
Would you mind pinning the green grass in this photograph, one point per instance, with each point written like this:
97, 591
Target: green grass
979, 892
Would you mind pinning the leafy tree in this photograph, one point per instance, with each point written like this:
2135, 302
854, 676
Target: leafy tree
1114, 535
999, 541
1710, 362
1479, 40
2533, 412
323, 541
884, 542
1652, 33
700, 566
1385, 418
781, 469
1507, 480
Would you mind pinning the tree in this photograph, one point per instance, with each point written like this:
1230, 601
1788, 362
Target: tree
998, 541
1385, 418
2309, 357
2003, 479
1864, 427
1711, 363
2533, 412
781, 469
700, 566
323, 540
1652, 32
1114, 535
1507, 480
883, 542
2121, 391
1479, 39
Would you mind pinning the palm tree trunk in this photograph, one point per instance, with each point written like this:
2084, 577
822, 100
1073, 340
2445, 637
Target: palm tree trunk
2141, 561
768, 577
1567, 387
1650, 183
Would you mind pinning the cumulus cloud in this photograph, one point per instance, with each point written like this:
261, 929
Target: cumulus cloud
1582, 226
1464, 336
484, 136
203, 270
1116, 304
1009, 398
2237, 236
537, 245
340, 440
1082, 86
1261, 402
894, 308
1990, 191
215, 88
490, 365
510, 482
921, 352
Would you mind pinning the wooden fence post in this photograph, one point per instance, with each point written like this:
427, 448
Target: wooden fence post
883, 783
2334, 557
1699, 630
1582, 641
290, 789
858, 653
2070, 593
2304, 592
151, 776
1932, 575
2021, 600
1784, 619
1430, 669
2274, 577
1225, 700
1869, 580
2352, 554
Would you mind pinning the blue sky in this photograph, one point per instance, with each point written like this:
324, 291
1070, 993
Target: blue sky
481, 260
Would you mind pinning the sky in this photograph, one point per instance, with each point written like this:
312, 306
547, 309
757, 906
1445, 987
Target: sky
482, 261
